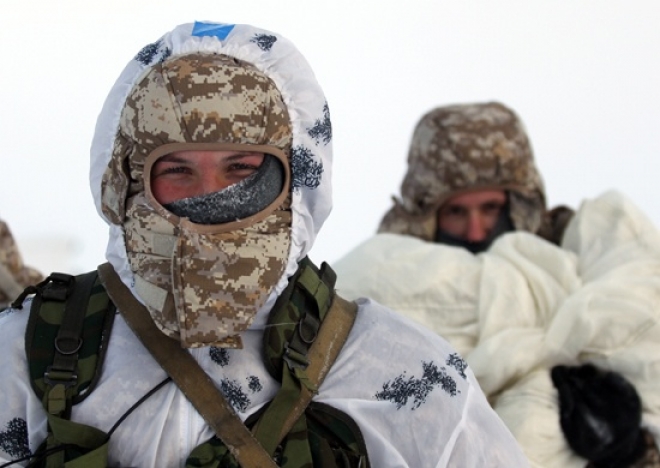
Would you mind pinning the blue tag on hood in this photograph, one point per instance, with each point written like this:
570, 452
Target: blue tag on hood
221, 31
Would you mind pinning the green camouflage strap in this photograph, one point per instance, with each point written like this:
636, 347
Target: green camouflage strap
65, 342
299, 348
306, 330
329, 436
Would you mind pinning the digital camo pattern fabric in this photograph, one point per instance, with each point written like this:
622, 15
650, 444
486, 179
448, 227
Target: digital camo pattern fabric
204, 288
217, 292
460, 148
14, 275
202, 285
196, 98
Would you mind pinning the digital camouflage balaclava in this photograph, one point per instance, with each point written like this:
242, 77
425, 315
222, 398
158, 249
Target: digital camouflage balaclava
461, 148
203, 276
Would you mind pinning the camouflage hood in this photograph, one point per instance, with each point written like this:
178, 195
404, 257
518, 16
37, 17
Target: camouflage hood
462, 148
270, 101
14, 274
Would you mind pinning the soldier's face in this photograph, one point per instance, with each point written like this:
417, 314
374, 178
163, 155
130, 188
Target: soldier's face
472, 216
185, 174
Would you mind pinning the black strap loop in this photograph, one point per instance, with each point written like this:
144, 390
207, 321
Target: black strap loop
58, 287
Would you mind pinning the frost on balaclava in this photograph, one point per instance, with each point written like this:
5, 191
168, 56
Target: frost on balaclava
463, 148
238, 201
202, 279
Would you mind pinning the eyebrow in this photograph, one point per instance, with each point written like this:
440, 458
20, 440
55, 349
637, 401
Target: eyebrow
178, 159
171, 158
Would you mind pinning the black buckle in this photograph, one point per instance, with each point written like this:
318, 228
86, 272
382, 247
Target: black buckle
53, 377
57, 287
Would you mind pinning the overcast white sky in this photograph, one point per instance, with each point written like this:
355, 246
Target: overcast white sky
583, 76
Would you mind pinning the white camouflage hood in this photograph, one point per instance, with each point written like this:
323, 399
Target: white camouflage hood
311, 153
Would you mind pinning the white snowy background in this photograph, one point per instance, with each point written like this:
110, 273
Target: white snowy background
583, 75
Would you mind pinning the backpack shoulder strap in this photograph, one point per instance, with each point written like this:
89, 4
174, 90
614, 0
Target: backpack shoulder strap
65, 342
307, 329
67, 336
188, 375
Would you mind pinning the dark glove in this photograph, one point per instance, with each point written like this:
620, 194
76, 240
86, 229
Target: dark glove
600, 414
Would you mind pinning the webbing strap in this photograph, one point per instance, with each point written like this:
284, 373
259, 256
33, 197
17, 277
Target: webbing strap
291, 401
61, 375
66, 432
319, 286
69, 336
195, 384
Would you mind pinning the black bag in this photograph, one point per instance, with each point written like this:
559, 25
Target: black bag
600, 414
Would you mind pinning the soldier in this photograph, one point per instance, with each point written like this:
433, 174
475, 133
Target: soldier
211, 164
472, 177
14, 275
472, 180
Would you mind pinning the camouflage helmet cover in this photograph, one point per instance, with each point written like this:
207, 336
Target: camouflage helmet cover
461, 148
